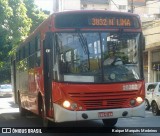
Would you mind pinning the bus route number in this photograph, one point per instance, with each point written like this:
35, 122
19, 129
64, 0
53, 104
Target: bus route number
124, 22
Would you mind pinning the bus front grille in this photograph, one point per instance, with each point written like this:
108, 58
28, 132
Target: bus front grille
103, 100
104, 104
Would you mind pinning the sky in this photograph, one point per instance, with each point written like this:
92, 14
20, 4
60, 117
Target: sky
45, 4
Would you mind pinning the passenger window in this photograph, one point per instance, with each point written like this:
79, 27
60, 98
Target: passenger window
38, 58
26, 50
32, 59
37, 39
32, 46
17, 56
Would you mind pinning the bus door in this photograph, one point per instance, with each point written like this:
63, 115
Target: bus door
48, 74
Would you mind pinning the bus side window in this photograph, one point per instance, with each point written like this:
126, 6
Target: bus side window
38, 58
27, 50
37, 39
31, 58
26, 55
32, 46
38, 53
31, 61
17, 56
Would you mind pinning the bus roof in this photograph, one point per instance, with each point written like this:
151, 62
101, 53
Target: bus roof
96, 11
47, 22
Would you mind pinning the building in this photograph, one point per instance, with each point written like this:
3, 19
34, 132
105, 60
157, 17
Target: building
94, 4
115, 5
66, 5
119, 5
138, 7
151, 32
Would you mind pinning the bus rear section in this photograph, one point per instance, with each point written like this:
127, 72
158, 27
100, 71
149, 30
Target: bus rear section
91, 68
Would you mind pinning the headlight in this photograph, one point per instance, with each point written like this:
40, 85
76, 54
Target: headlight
66, 104
139, 99
71, 105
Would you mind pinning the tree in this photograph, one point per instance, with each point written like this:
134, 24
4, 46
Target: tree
6, 13
37, 16
19, 23
14, 27
18, 19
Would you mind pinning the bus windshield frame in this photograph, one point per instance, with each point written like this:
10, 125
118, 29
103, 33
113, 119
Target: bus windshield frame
80, 57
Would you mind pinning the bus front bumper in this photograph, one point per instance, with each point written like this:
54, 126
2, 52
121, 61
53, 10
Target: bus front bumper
63, 115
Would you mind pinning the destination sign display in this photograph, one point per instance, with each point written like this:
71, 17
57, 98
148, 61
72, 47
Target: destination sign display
125, 22
96, 20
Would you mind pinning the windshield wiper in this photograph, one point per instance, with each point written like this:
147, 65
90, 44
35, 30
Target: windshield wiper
84, 45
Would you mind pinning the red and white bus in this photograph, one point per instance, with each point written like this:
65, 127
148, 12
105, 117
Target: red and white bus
58, 72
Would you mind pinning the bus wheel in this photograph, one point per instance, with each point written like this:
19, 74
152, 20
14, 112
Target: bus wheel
147, 106
155, 109
109, 122
22, 111
45, 121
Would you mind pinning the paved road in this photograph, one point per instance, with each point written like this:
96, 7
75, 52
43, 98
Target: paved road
9, 117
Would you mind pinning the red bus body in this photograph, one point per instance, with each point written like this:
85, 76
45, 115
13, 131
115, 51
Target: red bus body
88, 100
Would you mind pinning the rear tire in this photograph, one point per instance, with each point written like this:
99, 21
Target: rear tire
147, 105
109, 122
45, 121
155, 109
22, 111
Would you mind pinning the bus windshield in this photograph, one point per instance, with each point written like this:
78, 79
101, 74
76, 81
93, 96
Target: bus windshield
97, 57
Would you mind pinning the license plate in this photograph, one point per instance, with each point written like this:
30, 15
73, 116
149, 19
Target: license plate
105, 114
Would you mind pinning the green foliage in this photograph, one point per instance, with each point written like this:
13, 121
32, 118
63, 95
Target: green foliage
18, 19
35, 14
19, 23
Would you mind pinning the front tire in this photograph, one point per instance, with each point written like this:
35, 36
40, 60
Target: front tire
155, 109
147, 105
109, 122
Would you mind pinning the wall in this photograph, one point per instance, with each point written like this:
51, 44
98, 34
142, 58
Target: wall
96, 7
151, 31
153, 7
115, 4
152, 34
66, 5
